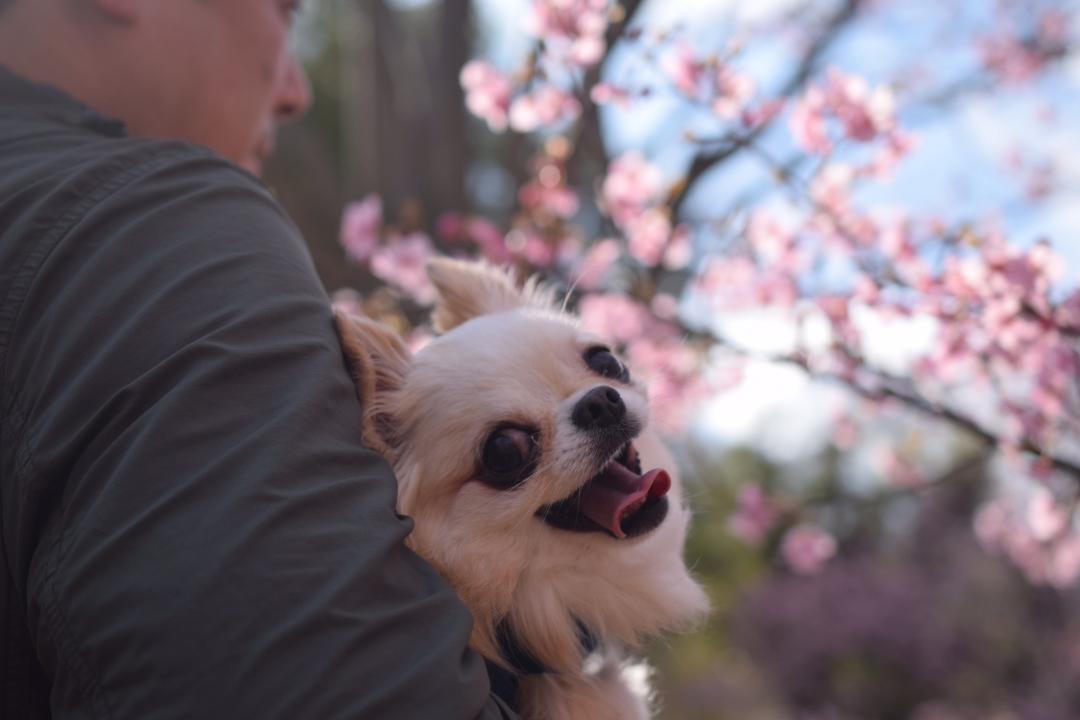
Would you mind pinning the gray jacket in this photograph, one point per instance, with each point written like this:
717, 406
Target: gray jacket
189, 525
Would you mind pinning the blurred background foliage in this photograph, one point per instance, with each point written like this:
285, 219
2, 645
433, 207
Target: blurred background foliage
912, 620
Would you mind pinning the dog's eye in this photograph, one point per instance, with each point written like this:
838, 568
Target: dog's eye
509, 456
602, 362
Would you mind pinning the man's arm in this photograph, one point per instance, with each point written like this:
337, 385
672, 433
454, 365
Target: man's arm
198, 528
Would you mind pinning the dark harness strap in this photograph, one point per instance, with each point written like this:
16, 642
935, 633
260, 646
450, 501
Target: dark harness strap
504, 682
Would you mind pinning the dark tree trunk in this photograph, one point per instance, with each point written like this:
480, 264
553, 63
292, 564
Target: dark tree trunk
389, 119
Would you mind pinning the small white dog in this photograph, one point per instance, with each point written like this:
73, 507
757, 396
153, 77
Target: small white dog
518, 441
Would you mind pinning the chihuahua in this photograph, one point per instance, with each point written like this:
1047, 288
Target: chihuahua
523, 453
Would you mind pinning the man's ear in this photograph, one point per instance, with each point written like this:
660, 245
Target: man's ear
470, 289
378, 359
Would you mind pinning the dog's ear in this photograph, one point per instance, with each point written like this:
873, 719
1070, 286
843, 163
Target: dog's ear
470, 289
378, 360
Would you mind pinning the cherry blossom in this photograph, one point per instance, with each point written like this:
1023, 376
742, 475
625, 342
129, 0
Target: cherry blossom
672, 372
575, 27
680, 249
863, 113
546, 106
1044, 544
552, 196
604, 93
808, 123
361, 227
648, 235
1045, 517
632, 184
402, 262
806, 548
632, 195
709, 80
487, 93
1014, 58
756, 514
615, 316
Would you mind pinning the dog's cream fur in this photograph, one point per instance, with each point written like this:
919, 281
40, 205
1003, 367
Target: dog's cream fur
507, 355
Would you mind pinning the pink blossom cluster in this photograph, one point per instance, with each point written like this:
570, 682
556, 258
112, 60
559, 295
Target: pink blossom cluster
1042, 540
862, 113
999, 314
487, 93
674, 373
542, 249
402, 262
547, 191
1014, 58
632, 185
755, 515
532, 99
490, 95
484, 235
545, 106
739, 282
540, 236
998, 318
632, 194
572, 28
765, 274
605, 93
524, 244
361, 228
393, 257
807, 548
710, 81
804, 547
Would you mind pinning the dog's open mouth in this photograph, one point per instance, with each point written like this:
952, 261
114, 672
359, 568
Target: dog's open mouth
619, 500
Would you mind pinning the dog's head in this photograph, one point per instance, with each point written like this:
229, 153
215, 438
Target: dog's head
522, 452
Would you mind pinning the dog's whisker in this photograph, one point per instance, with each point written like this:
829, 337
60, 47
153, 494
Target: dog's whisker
569, 293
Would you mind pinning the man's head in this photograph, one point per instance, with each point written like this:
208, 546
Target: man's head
215, 72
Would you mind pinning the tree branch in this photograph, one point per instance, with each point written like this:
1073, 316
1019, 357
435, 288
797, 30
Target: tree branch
706, 161
589, 143
886, 388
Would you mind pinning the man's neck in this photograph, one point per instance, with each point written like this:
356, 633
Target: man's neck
77, 71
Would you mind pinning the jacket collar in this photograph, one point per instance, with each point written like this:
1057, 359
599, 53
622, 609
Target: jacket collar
23, 97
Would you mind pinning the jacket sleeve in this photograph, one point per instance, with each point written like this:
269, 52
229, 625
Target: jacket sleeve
197, 529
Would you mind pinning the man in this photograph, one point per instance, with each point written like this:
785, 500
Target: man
189, 526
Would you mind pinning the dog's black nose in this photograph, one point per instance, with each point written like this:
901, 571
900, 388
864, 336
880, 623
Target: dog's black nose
599, 408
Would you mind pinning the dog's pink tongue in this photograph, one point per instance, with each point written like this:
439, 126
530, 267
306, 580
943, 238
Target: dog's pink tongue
607, 499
